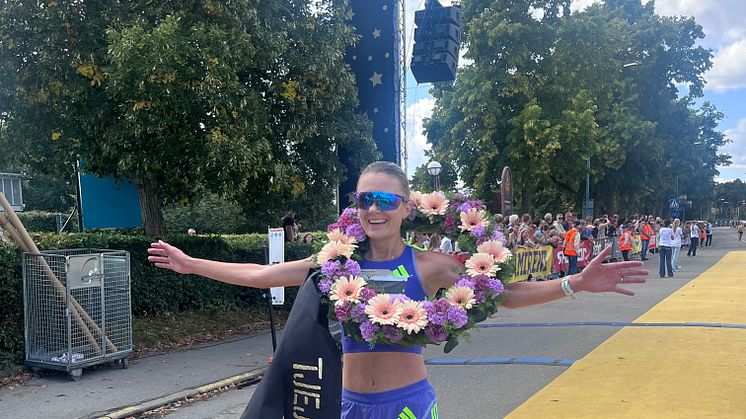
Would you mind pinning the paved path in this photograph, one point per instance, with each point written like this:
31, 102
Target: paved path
664, 371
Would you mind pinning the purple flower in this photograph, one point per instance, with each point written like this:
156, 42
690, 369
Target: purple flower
460, 197
457, 316
368, 330
436, 333
358, 313
437, 311
367, 293
349, 214
498, 235
465, 282
343, 311
356, 230
399, 298
481, 282
392, 333
495, 286
477, 231
330, 268
332, 227
352, 267
465, 207
450, 222
325, 285
479, 297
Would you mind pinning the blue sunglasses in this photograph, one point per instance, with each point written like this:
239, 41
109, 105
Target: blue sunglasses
385, 201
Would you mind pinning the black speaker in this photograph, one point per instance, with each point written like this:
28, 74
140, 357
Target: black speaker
436, 43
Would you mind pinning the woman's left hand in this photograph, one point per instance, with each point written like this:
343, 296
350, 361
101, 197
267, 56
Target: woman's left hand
607, 277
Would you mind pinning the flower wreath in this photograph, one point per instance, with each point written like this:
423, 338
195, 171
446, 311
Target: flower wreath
373, 317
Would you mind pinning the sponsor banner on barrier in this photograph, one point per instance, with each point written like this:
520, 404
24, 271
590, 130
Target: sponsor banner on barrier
535, 262
561, 262
651, 244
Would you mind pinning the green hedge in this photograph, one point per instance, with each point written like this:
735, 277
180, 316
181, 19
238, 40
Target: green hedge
43, 221
154, 291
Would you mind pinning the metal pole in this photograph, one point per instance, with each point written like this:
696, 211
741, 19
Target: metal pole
79, 197
588, 190
268, 296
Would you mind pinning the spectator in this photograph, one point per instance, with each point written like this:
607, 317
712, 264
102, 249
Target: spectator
694, 233
645, 233
572, 243
677, 235
289, 226
708, 231
307, 238
433, 245
665, 249
740, 232
192, 232
625, 242
446, 245
559, 224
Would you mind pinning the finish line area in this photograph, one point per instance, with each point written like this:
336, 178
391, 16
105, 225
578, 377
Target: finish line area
684, 357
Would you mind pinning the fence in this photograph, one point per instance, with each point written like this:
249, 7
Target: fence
546, 261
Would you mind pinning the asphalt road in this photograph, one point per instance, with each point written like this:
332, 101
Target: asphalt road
493, 391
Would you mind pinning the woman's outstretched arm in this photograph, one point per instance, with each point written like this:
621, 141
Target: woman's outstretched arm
252, 275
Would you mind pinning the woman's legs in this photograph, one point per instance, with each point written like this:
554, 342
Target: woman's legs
625, 254
675, 258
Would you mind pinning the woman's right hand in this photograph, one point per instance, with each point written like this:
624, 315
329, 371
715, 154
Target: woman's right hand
167, 256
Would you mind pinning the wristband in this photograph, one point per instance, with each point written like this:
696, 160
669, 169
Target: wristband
567, 289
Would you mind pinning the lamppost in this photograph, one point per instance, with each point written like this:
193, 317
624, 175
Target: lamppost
587, 207
434, 169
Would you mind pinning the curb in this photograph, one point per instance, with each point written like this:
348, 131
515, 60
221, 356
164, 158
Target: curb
124, 412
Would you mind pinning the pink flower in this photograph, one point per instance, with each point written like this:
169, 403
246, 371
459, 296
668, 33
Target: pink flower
481, 264
415, 197
382, 310
412, 316
461, 296
496, 249
347, 290
433, 204
338, 235
333, 250
473, 218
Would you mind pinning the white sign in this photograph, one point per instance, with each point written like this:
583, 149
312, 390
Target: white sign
277, 255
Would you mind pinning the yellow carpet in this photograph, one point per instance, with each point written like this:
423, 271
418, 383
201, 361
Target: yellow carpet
666, 372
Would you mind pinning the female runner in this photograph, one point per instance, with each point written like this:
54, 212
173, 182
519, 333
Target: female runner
391, 379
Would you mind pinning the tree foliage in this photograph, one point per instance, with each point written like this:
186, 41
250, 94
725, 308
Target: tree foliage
423, 182
244, 98
548, 89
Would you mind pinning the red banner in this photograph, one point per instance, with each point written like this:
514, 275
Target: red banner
584, 256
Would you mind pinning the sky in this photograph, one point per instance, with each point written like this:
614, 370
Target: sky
725, 29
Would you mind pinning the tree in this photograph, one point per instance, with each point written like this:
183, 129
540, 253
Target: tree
548, 90
239, 98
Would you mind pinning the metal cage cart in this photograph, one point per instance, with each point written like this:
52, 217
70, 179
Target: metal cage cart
77, 308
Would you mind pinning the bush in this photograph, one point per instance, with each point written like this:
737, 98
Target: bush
42, 221
202, 216
154, 291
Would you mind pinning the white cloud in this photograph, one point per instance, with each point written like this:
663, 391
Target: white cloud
736, 148
728, 68
578, 5
416, 140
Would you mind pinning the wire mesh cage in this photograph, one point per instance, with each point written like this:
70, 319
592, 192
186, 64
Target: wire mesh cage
77, 305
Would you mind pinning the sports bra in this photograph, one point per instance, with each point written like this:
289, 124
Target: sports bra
401, 267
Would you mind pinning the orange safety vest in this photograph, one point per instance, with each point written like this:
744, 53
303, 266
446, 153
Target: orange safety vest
570, 249
646, 232
626, 242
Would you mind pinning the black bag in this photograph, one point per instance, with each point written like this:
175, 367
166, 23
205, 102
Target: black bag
305, 378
